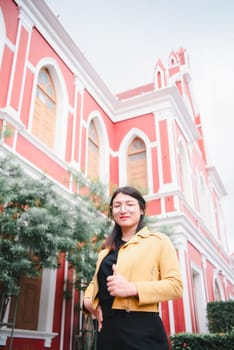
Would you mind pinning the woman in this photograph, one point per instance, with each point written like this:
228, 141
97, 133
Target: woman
135, 271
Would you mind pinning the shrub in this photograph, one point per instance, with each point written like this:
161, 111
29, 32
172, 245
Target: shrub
220, 315
187, 341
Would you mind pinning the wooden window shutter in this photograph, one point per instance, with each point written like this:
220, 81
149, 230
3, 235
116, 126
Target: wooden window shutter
137, 165
44, 117
93, 152
28, 304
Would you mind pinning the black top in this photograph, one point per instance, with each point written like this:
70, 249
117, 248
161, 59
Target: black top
105, 270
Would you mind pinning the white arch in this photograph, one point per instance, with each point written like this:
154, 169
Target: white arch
2, 36
211, 220
199, 297
221, 226
103, 146
173, 58
217, 283
210, 209
61, 104
133, 133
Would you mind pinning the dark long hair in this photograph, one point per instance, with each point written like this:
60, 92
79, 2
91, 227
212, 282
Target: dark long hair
111, 240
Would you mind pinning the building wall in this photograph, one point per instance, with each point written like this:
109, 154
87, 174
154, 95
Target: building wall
183, 194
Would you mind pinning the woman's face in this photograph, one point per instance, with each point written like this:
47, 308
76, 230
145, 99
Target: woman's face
126, 211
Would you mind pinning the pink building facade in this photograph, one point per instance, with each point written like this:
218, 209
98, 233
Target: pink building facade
85, 127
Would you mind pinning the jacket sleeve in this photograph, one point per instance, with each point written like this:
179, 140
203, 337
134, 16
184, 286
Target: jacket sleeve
170, 285
89, 290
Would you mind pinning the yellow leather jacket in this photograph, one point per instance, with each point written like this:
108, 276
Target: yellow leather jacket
150, 261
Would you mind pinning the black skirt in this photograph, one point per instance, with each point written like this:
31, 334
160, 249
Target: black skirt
132, 330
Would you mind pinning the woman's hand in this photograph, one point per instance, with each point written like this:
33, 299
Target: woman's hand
97, 313
118, 286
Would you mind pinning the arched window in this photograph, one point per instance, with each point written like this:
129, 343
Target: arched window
44, 116
220, 226
202, 196
199, 299
2, 36
185, 177
137, 165
159, 79
205, 203
217, 292
93, 152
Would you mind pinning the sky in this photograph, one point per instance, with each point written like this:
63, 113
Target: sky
123, 39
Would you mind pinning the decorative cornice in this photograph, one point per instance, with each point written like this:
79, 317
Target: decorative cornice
181, 225
25, 19
12, 117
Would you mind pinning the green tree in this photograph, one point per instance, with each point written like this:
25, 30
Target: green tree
37, 223
91, 226
34, 225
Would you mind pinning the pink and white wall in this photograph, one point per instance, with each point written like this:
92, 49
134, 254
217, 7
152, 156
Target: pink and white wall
184, 194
